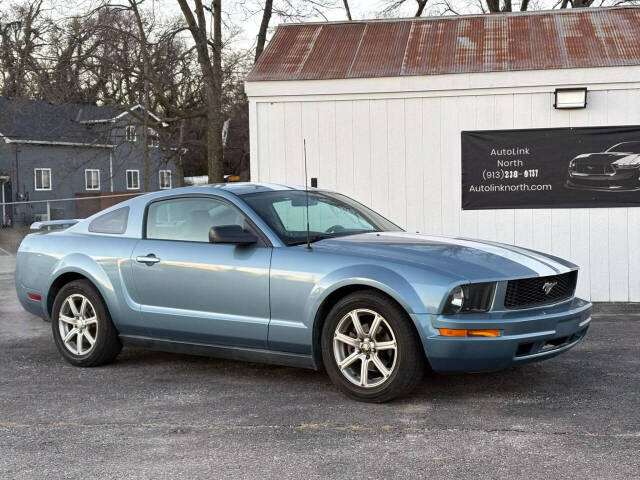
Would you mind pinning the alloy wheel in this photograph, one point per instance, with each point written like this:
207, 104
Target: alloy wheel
365, 348
78, 324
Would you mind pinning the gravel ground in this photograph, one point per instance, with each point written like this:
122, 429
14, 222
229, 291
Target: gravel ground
156, 415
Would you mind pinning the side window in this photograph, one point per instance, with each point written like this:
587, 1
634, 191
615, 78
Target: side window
114, 222
92, 179
130, 133
189, 219
153, 139
42, 178
133, 179
164, 179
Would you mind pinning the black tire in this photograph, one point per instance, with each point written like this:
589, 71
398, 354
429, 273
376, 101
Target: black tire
106, 346
409, 364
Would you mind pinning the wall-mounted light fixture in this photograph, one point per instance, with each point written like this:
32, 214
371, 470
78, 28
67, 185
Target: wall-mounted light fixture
570, 98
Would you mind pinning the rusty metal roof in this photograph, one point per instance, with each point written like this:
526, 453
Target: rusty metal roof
590, 37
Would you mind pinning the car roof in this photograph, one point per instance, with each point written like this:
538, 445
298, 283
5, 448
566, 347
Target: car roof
138, 203
245, 188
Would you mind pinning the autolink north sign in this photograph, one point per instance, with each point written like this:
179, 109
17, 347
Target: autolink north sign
551, 168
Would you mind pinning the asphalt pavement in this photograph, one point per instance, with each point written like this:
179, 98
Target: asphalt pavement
157, 415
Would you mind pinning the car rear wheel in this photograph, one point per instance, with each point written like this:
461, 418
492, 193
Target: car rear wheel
370, 349
82, 328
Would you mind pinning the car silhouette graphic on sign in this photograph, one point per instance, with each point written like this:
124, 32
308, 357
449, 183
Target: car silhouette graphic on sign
615, 169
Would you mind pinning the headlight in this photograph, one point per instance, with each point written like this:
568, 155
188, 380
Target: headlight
630, 161
455, 300
475, 297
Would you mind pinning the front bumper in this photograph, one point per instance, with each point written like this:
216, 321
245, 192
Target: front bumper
627, 179
527, 336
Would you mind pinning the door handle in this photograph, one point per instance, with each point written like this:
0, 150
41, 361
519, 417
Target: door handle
150, 259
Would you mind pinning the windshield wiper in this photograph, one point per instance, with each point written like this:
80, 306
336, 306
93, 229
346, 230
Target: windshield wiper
312, 239
315, 238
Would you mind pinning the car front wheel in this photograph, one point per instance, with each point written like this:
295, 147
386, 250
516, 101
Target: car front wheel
370, 349
82, 328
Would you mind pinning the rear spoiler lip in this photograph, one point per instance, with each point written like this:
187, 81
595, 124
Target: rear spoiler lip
53, 223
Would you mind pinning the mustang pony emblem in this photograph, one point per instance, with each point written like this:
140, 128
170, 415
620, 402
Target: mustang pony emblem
548, 286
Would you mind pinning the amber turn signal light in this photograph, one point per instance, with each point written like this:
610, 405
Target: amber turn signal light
463, 332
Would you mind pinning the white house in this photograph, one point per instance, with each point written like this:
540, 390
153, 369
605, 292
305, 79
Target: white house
382, 105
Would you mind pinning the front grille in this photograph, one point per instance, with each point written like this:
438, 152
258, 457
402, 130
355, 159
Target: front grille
530, 292
594, 169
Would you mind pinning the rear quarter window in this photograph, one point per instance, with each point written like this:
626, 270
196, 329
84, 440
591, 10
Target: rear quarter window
114, 222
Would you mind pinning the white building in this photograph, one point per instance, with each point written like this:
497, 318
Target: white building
382, 105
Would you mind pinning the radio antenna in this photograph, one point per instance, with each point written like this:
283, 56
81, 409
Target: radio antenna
306, 191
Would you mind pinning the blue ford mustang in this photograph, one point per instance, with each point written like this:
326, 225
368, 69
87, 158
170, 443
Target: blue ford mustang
233, 271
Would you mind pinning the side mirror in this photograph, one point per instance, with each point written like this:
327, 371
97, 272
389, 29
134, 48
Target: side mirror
231, 234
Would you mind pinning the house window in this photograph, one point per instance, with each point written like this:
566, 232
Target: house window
42, 178
130, 133
133, 179
92, 179
165, 179
153, 139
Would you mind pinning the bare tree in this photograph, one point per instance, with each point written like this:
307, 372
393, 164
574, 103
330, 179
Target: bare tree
395, 5
128, 52
347, 9
264, 26
284, 11
19, 38
209, 49
494, 6
156, 66
580, 3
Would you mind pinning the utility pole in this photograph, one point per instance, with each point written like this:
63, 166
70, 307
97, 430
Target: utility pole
17, 175
145, 136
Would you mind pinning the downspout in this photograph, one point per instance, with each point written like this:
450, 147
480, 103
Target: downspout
111, 168
4, 208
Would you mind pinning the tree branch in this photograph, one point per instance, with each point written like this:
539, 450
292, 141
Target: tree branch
347, 9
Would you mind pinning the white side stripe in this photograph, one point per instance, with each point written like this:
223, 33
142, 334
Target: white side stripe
542, 268
558, 267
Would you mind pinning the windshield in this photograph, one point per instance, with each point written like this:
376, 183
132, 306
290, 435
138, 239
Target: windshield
330, 215
626, 147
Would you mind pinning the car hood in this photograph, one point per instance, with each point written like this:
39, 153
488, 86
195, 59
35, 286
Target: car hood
473, 260
602, 158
